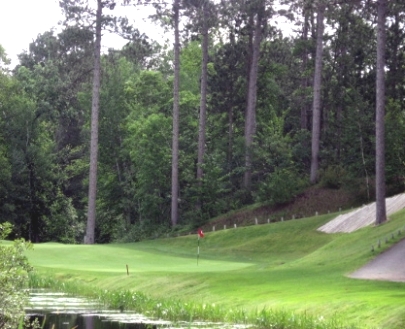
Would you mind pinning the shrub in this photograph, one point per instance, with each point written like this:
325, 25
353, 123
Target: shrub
14, 270
333, 177
140, 231
280, 187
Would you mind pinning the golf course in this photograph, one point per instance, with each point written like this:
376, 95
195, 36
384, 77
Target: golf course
286, 267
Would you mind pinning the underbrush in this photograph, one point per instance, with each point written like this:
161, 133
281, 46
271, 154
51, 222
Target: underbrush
141, 231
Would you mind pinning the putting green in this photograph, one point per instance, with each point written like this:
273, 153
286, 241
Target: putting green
114, 258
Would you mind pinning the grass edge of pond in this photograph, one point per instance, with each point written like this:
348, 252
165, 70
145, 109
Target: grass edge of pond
175, 310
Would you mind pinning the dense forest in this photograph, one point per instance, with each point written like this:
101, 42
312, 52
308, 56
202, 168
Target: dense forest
234, 111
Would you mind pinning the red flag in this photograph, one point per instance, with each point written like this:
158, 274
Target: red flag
200, 233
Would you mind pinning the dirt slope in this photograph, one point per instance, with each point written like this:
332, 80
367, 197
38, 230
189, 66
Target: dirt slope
311, 201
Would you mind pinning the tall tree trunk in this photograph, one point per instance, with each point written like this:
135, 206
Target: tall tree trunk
203, 101
316, 107
304, 79
34, 224
230, 104
91, 216
381, 215
340, 58
176, 110
250, 120
395, 48
229, 154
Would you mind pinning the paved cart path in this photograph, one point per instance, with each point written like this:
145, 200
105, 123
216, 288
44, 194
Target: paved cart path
388, 266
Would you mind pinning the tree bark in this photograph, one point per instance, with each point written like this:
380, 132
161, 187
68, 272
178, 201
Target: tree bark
176, 105
250, 120
203, 99
91, 215
381, 215
304, 79
230, 105
316, 108
203, 103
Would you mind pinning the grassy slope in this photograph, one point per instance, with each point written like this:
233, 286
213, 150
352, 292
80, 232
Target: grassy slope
287, 265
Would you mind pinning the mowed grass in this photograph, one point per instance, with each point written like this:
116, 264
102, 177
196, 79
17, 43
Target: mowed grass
282, 266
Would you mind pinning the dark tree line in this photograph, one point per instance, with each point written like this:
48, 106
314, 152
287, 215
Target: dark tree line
234, 112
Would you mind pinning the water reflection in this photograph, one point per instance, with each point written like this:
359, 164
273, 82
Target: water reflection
59, 311
84, 321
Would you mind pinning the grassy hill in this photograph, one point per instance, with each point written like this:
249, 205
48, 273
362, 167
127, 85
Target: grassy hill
283, 266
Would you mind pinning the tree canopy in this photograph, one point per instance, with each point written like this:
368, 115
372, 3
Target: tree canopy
234, 112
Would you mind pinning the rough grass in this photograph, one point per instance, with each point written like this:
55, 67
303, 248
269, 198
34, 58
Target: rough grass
286, 266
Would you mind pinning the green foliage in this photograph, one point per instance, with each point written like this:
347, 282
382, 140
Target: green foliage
45, 121
147, 93
28, 148
108, 223
278, 180
62, 224
280, 187
190, 69
4, 60
14, 270
5, 230
120, 83
395, 152
273, 148
149, 140
301, 150
211, 193
5, 179
333, 177
140, 231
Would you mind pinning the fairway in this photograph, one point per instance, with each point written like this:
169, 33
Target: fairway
283, 266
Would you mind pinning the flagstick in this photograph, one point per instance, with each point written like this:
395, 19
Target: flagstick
198, 248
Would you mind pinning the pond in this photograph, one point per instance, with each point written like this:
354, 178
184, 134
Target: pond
61, 311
